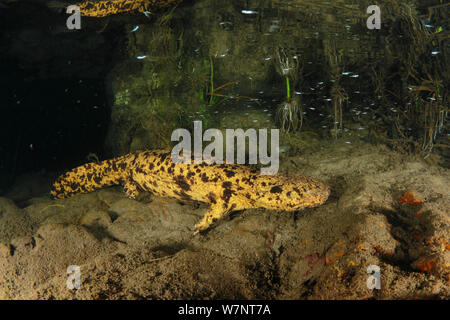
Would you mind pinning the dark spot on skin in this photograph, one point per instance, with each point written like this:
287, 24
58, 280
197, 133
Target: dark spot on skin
163, 156
183, 195
198, 170
163, 169
288, 193
229, 173
247, 195
170, 170
182, 182
97, 179
204, 177
215, 179
140, 169
263, 184
151, 166
190, 174
276, 189
226, 184
227, 193
214, 219
212, 197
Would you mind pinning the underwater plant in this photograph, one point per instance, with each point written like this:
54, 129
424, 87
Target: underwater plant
338, 94
433, 109
422, 55
212, 91
289, 113
287, 66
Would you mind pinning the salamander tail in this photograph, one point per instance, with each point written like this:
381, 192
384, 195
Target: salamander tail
89, 177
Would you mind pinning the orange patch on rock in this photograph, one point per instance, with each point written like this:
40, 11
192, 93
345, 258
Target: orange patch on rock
329, 260
409, 197
243, 228
427, 265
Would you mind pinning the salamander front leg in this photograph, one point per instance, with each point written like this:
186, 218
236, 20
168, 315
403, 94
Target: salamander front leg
215, 213
130, 189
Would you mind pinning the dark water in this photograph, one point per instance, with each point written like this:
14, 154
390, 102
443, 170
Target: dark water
124, 82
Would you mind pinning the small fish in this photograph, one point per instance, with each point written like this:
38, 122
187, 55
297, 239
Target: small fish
249, 12
135, 29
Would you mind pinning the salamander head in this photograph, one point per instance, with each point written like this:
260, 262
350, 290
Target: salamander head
291, 193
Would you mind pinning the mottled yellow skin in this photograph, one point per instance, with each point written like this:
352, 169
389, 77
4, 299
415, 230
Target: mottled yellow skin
225, 188
103, 8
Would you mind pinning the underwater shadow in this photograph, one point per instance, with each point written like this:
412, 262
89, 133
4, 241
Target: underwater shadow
411, 227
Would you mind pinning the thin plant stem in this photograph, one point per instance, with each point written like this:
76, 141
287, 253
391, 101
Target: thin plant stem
212, 80
288, 89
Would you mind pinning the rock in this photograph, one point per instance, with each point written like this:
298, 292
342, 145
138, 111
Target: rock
13, 221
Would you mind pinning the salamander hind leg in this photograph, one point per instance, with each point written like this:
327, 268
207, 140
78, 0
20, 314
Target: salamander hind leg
215, 213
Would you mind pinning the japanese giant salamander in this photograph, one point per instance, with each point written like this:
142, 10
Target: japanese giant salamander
225, 187
103, 8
